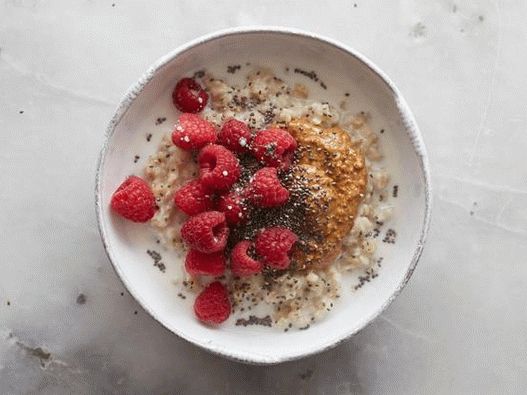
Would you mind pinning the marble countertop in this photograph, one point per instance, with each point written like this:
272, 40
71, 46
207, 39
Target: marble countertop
68, 326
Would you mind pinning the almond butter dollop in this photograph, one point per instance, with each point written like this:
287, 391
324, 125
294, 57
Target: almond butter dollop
334, 172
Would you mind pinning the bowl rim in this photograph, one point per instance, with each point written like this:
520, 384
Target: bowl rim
411, 129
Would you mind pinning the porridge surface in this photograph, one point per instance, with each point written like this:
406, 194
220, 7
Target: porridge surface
339, 161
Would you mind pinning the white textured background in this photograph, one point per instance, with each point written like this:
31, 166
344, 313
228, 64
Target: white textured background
459, 327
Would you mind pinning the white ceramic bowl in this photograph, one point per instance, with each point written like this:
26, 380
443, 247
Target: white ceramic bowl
343, 70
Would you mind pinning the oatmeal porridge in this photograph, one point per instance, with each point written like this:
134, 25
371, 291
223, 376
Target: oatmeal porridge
291, 191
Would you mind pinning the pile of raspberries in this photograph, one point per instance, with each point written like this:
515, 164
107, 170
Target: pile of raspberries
213, 205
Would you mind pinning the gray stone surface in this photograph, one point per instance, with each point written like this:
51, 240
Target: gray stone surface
460, 326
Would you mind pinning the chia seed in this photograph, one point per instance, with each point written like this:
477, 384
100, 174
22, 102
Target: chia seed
253, 320
312, 75
156, 256
390, 236
369, 275
233, 69
199, 74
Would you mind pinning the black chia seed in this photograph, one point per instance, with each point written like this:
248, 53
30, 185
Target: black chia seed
160, 120
309, 74
268, 115
390, 236
369, 274
136, 158
149, 137
199, 74
395, 191
156, 256
312, 75
253, 320
233, 69
291, 215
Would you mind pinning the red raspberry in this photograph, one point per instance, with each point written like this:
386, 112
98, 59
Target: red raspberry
235, 135
206, 232
265, 189
193, 132
274, 147
212, 306
234, 207
192, 198
198, 263
275, 245
219, 167
189, 96
242, 264
134, 200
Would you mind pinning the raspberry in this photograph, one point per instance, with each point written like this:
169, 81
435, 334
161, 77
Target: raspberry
241, 263
198, 263
192, 198
189, 96
193, 132
274, 147
134, 200
265, 189
212, 306
219, 167
234, 207
235, 135
206, 232
275, 245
